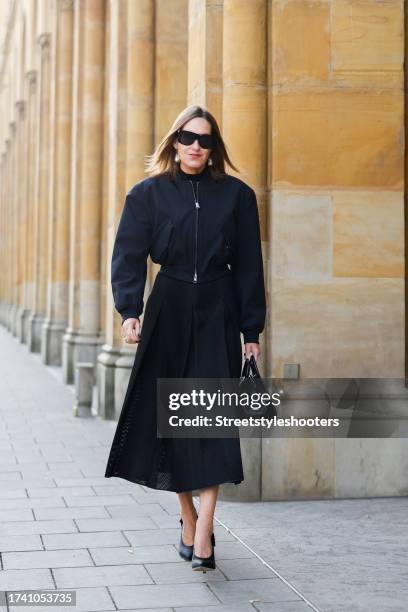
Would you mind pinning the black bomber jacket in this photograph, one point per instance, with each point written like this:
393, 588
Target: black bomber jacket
195, 242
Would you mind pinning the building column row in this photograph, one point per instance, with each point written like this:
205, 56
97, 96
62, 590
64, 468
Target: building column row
109, 78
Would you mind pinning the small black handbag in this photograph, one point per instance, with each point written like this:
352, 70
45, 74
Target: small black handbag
251, 382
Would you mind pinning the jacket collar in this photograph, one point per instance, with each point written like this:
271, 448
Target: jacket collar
205, 175
206, 181
186, 176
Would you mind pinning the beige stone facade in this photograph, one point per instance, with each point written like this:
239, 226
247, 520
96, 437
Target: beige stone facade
309, 96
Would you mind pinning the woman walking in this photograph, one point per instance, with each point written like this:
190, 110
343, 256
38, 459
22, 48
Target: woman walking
202, 226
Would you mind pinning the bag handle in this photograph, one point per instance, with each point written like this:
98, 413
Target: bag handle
250, 364
245, 369
254, 366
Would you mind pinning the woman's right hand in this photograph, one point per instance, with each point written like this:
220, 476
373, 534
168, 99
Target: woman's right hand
131, 330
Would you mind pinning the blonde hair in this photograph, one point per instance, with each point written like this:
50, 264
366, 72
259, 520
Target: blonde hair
163, 159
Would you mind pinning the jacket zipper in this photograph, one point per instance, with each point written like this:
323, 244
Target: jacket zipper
197, 205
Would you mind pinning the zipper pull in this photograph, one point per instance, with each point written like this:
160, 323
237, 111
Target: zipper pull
195, 196
195, 277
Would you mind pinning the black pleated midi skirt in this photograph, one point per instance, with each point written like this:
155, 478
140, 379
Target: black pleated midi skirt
188, 330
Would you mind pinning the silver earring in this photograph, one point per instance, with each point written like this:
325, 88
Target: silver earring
210, 161
176, 157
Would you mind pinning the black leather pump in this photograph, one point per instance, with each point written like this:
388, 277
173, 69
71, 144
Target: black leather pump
203, 564
185, 552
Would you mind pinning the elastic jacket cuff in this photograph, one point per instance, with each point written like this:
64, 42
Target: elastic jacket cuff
251, 336
129, 314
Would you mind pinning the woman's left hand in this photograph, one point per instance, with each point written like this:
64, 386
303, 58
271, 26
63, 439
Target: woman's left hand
252, 348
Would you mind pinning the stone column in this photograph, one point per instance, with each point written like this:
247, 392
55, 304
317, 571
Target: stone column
31, 166
58, 270
115, 156
21, 214
172, 58
5, 219
75, 203
131, 96
10, 270
6, 186
3, 230
205, 57
13, 229
7, 234
83, 339
42, 192
244, 129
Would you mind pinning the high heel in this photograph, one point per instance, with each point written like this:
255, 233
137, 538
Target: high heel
185, 551
203, 564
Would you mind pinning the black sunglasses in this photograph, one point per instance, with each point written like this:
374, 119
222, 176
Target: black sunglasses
185, 137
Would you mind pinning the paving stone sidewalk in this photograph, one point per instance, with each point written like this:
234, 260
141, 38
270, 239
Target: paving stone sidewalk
64, 526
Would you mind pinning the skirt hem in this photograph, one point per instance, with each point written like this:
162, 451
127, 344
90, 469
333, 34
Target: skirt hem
144, 483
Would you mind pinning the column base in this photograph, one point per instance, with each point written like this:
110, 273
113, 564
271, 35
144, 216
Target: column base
27, 325
35, 323
81, 411
67, 356
4, 312
21, 324
10, 317
12, 314
106, 381
51, 342
84, 384
79, 346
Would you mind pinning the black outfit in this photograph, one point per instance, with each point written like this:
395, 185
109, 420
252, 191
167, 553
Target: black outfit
209, 289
